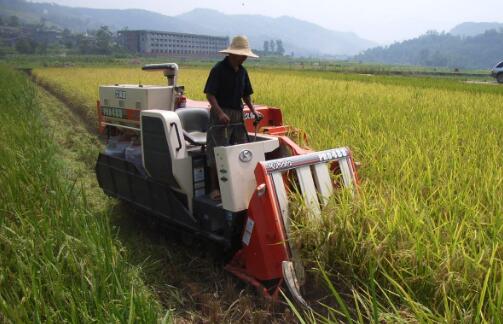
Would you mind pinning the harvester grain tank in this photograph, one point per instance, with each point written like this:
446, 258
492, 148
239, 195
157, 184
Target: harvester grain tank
165, 175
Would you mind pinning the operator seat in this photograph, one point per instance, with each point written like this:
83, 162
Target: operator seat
195, 122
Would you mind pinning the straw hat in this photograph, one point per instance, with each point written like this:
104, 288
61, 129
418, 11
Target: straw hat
239, 46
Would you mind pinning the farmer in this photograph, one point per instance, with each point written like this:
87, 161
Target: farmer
228, 85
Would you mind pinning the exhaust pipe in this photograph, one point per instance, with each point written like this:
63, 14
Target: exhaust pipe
170, 71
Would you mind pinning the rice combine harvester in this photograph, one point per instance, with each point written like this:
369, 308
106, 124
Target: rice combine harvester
155, 160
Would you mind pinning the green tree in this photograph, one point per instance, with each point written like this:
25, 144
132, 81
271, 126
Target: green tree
13, 21
266, 47
441, 50
438, 59
42, 22
280, 50
84, 44
104, 38
424, 56
272, 46
66, 33
67, 38
41, 48
26, 46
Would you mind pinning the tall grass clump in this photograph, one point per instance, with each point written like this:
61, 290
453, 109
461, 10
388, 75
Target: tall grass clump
59, 262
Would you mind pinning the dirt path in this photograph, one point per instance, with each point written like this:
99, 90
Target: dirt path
184, 278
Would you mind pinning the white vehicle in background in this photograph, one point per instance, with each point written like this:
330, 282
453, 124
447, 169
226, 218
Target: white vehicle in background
497, 72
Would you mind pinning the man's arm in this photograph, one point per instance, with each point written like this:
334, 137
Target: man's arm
222, 117
248, 90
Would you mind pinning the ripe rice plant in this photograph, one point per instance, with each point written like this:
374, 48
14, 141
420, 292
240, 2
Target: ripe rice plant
423, 240
59, 261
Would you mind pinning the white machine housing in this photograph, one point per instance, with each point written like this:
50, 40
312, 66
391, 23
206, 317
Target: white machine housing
134, 96
236, 165
120, 104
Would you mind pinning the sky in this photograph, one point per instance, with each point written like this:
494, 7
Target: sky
382, 21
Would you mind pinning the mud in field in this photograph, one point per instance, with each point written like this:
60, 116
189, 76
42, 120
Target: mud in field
186, 277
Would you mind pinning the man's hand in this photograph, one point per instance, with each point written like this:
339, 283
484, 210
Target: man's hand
258, 116
223, 118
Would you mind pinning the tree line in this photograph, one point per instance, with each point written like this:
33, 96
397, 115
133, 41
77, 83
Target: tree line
273, 47
39, 38
436, 49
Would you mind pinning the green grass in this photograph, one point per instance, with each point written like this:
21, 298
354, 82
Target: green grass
59, 261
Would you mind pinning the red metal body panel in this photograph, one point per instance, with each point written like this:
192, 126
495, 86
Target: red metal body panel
294, 147
133, 114
275, 130
355, 170
101, 125
272, 117
262, 257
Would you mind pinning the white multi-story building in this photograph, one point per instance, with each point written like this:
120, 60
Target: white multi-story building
172, 44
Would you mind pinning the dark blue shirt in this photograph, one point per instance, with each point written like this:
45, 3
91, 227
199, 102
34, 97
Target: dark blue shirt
227, 85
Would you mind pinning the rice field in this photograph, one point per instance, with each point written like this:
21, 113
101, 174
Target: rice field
60, 260
423, 241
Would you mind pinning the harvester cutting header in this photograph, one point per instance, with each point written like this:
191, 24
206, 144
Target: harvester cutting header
156, 161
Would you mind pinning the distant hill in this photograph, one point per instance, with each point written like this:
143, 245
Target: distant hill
298, 36
474, 28
301, 37
83, 19
441, 50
